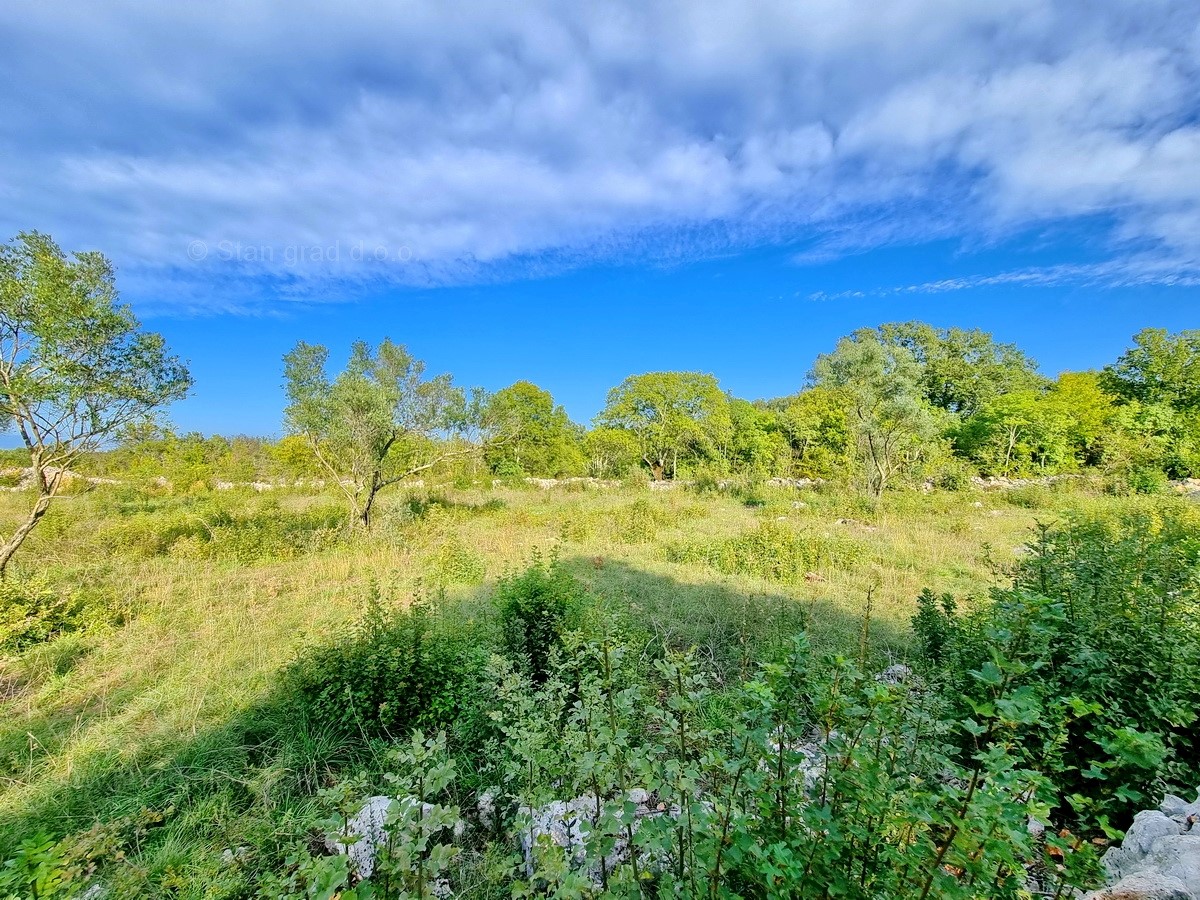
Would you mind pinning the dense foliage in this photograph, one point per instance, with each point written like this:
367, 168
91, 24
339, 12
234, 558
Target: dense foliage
1099, 638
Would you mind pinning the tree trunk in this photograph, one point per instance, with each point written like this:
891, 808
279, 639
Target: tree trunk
35, 515
364, 515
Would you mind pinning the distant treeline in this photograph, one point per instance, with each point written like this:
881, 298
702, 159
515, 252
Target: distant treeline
902, 403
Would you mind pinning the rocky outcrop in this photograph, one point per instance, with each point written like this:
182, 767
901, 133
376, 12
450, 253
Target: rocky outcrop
365, 833
566, 824
1160, 856
1189, 487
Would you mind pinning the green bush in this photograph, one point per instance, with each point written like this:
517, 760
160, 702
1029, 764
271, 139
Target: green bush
639, 522
396, 670
208, 528
1147, 481
451, 561
775, 551
811, 779
32, 612
535, 608
1029, 496
1100, 634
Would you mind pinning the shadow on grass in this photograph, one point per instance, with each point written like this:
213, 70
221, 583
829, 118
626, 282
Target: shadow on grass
247, 781
730, 621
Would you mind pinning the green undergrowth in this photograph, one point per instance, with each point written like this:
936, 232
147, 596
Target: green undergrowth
774, 551
601, 667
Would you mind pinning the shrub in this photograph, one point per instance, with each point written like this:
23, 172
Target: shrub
1029, 496
811, 779
1100, 635
451, 561
955, 475
774, 551
206, 528
1149, 480
31, 612
535, 609
639, 522
394, 671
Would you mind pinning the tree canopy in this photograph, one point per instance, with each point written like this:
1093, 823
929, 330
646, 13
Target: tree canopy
881, 384
538, 436
669, 414
377, 422
75, 366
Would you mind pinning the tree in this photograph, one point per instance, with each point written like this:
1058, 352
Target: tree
817, 427
378, 422
1017, 433
1088, 409
75, 366
891, 420
960, 369
759, 446
670, 413
539, 437
1159, 368
610, 452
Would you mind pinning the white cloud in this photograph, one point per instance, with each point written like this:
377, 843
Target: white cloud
486, 139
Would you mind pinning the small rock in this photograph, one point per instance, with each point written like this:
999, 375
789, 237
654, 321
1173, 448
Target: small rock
1144, 886
486, 808
897, 674
235, 855
1148, 826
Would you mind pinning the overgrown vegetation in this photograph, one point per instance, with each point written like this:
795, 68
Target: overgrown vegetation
729, 748
818, 659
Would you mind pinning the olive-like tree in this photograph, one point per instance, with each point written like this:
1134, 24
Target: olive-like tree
379, 421
75, 366
880, 384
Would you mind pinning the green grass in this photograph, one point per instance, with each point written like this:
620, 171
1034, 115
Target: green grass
177, 710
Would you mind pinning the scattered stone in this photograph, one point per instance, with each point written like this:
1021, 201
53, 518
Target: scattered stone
1144, 886
547, 483
365, 834
795, 482
1159, 858
229, 856
1189, 487
26, 478
897, 674
1000, 483
566, 824
485, 808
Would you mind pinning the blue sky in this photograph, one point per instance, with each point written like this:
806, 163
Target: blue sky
575, 194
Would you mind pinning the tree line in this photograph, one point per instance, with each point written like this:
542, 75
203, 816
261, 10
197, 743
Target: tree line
901, 403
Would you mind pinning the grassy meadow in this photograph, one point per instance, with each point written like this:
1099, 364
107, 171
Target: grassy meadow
157, 727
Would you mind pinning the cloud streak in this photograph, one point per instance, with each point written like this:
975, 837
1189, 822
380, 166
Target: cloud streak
491, 141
